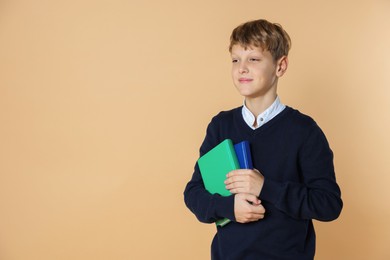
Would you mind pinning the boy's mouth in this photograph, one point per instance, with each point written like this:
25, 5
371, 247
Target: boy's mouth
244, 80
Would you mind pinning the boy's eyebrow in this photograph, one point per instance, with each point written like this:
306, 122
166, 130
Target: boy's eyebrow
253, 52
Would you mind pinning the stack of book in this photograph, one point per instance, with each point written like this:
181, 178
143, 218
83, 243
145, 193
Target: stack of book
218, 162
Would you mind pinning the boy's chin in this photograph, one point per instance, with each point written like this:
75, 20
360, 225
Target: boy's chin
244, 92
247, 95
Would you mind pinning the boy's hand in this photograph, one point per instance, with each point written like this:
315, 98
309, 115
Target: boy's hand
245, 181
247, 208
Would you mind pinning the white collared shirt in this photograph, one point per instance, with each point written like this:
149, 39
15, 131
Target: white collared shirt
264, 117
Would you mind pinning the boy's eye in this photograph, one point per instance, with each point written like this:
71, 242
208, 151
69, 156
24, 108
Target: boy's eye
254, 59
234, 60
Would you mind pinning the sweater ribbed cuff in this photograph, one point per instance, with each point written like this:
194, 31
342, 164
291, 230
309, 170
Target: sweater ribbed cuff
224, 207
270, 191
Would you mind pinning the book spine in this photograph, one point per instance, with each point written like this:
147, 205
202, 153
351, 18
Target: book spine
222, 222
233, 156
247, 155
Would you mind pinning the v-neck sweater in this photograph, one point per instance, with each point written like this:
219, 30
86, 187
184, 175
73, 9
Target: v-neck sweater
294, 156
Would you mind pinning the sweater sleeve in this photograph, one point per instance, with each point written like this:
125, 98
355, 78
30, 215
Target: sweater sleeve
207, 207
317, 196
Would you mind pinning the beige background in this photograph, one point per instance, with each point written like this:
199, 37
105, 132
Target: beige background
104, 104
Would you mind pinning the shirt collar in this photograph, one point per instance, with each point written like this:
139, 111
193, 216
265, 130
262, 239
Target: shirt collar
264, 117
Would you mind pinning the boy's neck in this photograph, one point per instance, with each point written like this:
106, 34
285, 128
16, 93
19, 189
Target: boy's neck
260, 104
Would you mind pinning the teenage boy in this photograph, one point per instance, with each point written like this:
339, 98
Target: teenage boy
271, 206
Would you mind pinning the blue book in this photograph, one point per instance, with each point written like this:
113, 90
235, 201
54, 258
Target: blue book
244, 156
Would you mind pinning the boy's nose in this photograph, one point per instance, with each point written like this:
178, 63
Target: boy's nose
243, 68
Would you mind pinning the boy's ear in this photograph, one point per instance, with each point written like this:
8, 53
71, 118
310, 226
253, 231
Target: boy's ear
282, 66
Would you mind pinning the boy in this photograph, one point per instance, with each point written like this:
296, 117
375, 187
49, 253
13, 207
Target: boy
271, 206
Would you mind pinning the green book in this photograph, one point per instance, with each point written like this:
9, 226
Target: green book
214, 165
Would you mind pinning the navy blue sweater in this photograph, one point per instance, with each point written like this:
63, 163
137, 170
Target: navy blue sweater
294, 156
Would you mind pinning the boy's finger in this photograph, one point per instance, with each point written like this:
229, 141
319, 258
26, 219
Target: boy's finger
237, 172
234, 178
258, 209
252, 198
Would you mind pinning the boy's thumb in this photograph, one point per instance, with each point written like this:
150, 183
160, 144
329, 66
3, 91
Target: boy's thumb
252, 199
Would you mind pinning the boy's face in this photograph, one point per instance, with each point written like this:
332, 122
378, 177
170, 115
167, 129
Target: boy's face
255, 73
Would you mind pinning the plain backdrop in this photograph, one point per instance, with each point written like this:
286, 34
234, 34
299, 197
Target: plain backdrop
104, 104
